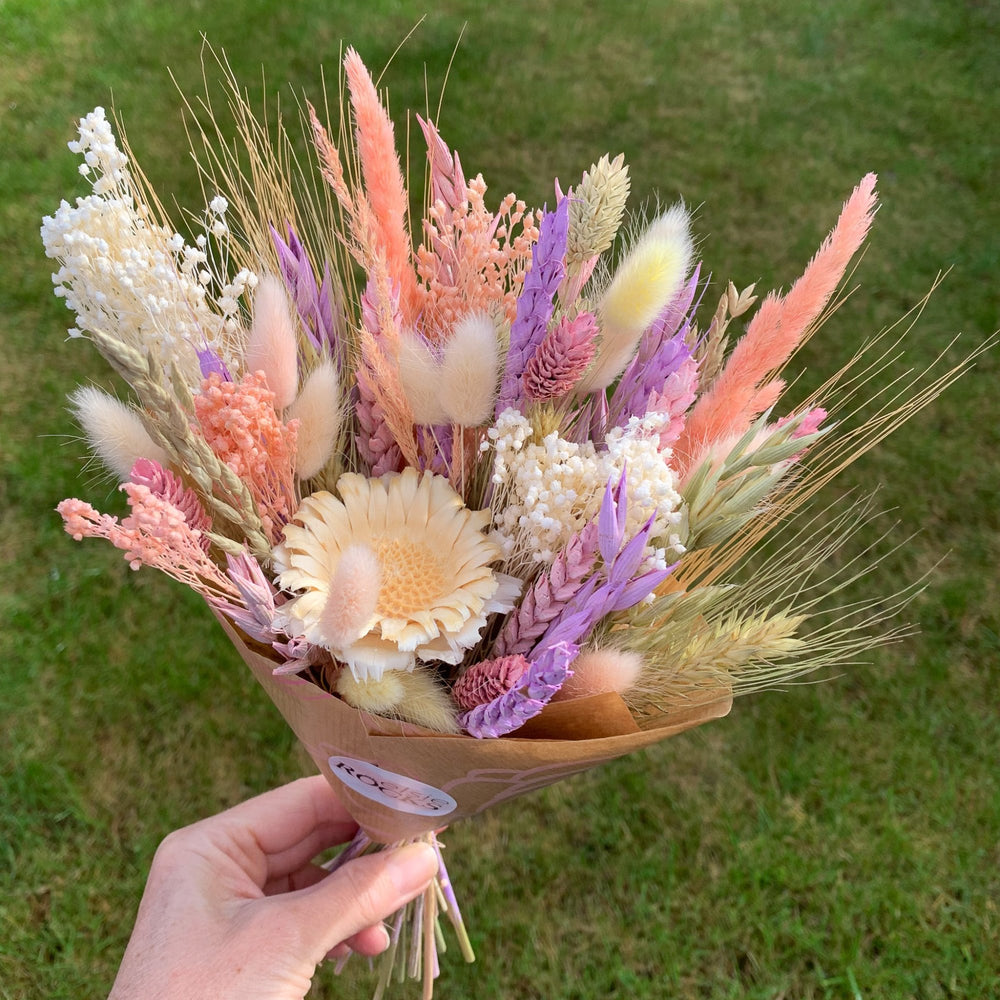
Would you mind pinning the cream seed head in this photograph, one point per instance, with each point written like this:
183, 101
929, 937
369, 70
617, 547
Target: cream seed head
318, 410
646, 280
469, 365
272, 345
114, 431
420, 377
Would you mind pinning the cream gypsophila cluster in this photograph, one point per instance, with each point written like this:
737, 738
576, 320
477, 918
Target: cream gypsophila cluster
545, 491
123, 273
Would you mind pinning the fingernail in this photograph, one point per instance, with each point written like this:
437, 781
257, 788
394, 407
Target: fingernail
386, 941
411, 867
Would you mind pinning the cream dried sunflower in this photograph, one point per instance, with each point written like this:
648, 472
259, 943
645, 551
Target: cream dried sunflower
394, 571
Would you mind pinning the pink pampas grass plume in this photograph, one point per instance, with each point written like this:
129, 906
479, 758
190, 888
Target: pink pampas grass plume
778, 328
272, 347
114, 431
469, 367
383, 180
600, 671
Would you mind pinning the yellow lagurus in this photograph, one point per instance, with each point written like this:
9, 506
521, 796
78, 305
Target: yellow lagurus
647, 279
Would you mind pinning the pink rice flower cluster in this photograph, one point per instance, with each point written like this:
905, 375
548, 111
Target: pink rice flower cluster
241, 425
561, 358
486, 681
157, 534
164, 484
473, 260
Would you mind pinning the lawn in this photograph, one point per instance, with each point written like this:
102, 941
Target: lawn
835, 840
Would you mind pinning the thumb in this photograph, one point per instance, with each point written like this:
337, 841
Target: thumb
362, 893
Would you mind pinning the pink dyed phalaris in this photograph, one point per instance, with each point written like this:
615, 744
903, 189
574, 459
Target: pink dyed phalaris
561, 358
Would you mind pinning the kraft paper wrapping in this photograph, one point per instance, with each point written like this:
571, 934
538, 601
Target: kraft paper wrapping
412, 766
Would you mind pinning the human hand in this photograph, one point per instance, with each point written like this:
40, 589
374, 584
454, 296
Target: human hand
233, 908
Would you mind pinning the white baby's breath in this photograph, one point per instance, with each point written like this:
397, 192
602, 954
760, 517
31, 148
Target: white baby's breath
545, 491
123, 273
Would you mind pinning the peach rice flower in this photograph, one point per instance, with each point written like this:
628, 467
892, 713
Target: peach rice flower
395, 570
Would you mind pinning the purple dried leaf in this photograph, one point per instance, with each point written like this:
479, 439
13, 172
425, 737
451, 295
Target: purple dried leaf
314, 304
511, 710
535, 303
662, 350
611, 518
209, 362
640, 588
630, 557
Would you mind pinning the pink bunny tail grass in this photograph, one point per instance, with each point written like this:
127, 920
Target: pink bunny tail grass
383, 180
780, 325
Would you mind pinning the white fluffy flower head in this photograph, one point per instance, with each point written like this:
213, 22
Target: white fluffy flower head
547, 490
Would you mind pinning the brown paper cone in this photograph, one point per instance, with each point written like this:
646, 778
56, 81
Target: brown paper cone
399, 780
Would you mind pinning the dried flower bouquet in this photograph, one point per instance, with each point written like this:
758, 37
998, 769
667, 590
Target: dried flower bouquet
475, 498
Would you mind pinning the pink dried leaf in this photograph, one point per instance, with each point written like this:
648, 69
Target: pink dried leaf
550, 593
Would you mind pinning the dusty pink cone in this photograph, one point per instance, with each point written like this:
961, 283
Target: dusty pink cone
561, 358
485, 681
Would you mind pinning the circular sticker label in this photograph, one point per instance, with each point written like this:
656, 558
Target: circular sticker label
393, 790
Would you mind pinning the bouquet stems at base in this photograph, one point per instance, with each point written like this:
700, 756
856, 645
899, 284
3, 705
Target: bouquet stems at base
415, 935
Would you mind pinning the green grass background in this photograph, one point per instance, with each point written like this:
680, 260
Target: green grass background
835, 840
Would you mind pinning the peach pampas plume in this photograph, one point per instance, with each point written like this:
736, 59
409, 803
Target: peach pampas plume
780, 325
271, 347
114, 431
599, 671
469, 369
383, 181
317, 408
353, 597
646, 280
